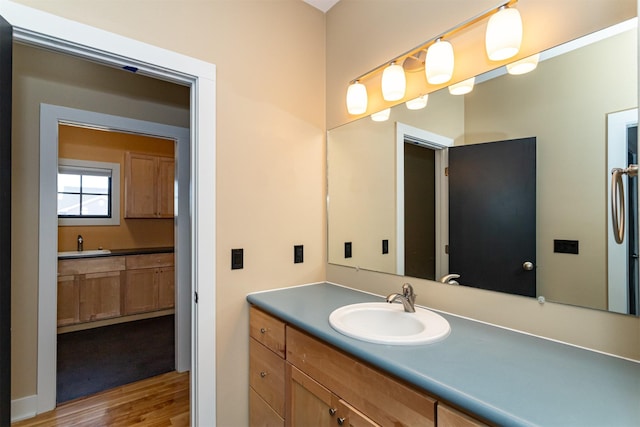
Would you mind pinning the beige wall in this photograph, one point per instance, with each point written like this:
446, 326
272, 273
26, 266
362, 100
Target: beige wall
361, 163
270, 123
76, 84
354, 49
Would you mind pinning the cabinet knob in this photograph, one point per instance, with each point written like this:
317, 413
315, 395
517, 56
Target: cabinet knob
332, 411
341, 420
263, 374
263, 330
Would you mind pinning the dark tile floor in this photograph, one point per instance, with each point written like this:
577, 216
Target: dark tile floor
98, 359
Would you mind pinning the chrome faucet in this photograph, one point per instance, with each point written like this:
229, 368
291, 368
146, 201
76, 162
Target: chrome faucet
450, 279
80, 243
408, 298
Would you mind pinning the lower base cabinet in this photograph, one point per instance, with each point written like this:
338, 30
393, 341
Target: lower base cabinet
324, 386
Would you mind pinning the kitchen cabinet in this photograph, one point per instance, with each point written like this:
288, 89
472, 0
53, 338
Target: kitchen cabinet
325, 386
149, 186
89, 289
92, 289
99, 295
149, 283
68, 300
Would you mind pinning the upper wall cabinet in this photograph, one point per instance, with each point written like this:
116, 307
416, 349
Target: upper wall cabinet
149, 183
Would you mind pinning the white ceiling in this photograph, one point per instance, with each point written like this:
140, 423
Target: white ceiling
323, 5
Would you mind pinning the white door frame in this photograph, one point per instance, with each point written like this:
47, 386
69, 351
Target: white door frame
50, 118
44, 30
439, 144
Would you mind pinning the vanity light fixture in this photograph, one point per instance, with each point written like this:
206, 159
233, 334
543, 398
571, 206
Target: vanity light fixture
357, 98
463, 87
439, 64
524, 65
504, 34
417, 103
394, 82
502, 41
381, 116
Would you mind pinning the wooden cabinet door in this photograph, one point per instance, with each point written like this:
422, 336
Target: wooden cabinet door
140, 186
166, 287
68, 300
166, 185
310, 404
140, 291
99, 296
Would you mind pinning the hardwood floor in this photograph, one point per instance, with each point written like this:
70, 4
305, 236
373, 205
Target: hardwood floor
158, 401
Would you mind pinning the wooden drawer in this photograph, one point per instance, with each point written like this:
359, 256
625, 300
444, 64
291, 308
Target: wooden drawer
90, 265
266, 375
261, 414
360, 385
268, 330
149, 261
449, 417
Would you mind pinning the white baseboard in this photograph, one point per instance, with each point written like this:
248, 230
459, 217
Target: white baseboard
23, 408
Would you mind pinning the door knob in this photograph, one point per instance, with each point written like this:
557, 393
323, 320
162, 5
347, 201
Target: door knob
527, 266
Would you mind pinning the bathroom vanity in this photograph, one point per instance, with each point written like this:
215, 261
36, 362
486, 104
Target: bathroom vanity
303, 372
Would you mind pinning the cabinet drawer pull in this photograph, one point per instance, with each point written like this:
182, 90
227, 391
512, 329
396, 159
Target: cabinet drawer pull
341, 420
332, 411
263, 330
263, 374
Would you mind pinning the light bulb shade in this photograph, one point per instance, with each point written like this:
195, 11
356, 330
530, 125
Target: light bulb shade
524, 65
418, 103
463, 87
381, 116
439, 62
504, 34
394, 82
357, 98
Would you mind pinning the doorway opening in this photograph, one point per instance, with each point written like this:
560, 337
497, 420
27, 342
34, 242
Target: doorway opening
116, 259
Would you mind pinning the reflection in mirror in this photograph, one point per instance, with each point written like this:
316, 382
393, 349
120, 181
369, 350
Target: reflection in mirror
579, 107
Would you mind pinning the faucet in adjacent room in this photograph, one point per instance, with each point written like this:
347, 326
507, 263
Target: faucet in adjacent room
408, 298
80, 243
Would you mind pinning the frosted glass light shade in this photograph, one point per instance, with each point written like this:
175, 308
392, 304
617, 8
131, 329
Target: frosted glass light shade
357, 98
504, 34
524, 65
381, 116
394, 82
439, 62
417, 103
463, 87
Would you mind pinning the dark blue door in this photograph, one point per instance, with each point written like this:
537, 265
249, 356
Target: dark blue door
492, 215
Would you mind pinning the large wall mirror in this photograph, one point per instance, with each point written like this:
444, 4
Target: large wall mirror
505, 188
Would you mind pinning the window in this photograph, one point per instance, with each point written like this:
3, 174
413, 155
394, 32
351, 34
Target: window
88, 193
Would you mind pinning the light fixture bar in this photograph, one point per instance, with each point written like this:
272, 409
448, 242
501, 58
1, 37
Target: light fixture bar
461, 26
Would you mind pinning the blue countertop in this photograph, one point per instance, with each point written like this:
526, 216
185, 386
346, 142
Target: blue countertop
506, 377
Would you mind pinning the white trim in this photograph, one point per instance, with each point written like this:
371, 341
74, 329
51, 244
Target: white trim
24, 408
617, 254
115, 193
439, 144
45, 30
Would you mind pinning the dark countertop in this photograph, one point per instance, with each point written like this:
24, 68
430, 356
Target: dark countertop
123, 252
504, 376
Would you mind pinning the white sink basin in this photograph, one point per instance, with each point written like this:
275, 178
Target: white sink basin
384, 323
75, 254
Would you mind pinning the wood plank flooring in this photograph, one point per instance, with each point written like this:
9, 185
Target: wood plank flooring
155, 402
